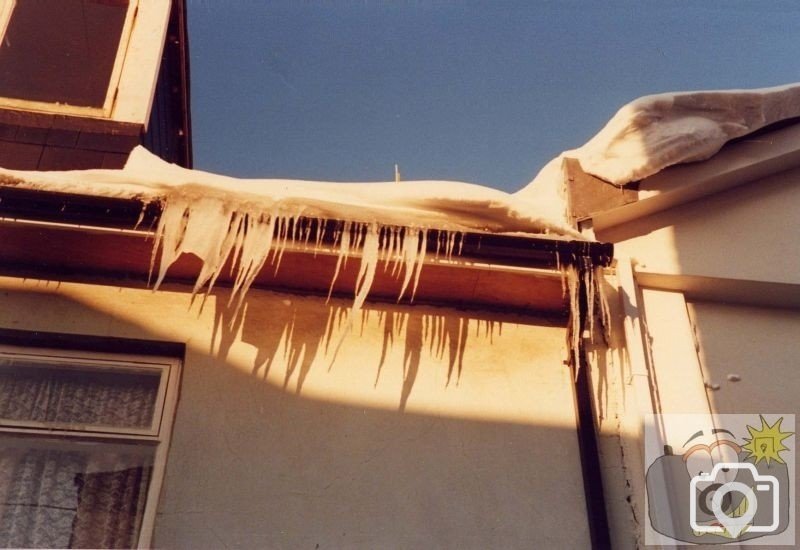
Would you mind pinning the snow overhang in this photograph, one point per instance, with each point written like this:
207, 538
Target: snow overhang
663, 150
748, 159
88, 231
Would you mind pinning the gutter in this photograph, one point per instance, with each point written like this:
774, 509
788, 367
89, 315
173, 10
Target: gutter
131, 214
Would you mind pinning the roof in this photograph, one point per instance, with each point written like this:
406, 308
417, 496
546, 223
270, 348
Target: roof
102, 223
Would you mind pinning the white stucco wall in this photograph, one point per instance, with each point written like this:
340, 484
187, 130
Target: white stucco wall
761, 346
283, 441
691, 265
749, 233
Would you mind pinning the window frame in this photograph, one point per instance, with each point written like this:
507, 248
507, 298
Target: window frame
134, 76
6, 9
61, 108
163, 414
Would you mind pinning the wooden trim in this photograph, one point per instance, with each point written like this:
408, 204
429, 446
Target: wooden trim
149, 350
142, 62
678, 385
6, 9
160, 461
133, 79
587, 194
639, 376
125, 258
52, 108
82, 436
119, 58
698, 288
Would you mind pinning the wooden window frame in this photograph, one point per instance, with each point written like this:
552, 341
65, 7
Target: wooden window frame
132, 84
6, 9
157, 436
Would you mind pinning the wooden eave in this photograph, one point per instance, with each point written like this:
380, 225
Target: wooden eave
81, 238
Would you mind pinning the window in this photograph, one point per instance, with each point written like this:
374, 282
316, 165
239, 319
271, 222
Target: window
64, 51
83, 443
95, 59
6, 7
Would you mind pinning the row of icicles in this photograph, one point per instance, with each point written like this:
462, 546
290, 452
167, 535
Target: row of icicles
248, 238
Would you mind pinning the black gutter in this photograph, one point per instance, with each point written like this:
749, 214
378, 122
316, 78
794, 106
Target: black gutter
115, 213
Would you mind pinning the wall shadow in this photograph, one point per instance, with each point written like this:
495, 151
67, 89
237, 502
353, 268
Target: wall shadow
252, 465
302, 339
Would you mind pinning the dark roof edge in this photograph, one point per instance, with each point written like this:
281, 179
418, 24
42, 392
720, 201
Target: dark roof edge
116, 213
186, 83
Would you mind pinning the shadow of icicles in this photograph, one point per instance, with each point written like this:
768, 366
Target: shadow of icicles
300, 339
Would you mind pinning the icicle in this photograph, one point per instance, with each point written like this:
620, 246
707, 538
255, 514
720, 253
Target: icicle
211, 269
283, 237
397, 251
369, 262
142, 212
605, 311
563, 272
256, 246
591, 279
573, 280
451, 242
247, 237
322, 224
303, 233
409, 256
422, 248
344, 249
169, 233
588, 282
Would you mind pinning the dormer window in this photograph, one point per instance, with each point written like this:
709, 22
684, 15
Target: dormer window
64, 55
93, 59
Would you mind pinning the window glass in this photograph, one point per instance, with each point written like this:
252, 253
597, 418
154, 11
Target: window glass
61, 51
66, 494
75, 394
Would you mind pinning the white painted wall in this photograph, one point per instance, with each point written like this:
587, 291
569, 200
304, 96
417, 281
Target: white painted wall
739, 245
761, 346
260, 460
747, 233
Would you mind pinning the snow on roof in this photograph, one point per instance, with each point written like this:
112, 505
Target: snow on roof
221, 219
425, 204
657, 131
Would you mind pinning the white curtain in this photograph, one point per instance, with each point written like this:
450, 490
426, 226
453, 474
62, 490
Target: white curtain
56, 498
64, 493
30, 392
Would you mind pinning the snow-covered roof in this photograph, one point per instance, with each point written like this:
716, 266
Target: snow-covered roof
657, 131
221, 219
644, 137
425, 204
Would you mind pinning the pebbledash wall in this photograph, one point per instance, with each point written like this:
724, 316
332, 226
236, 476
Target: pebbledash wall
705, 289
283, 440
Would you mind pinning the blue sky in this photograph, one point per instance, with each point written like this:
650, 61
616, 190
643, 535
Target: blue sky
483, 92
